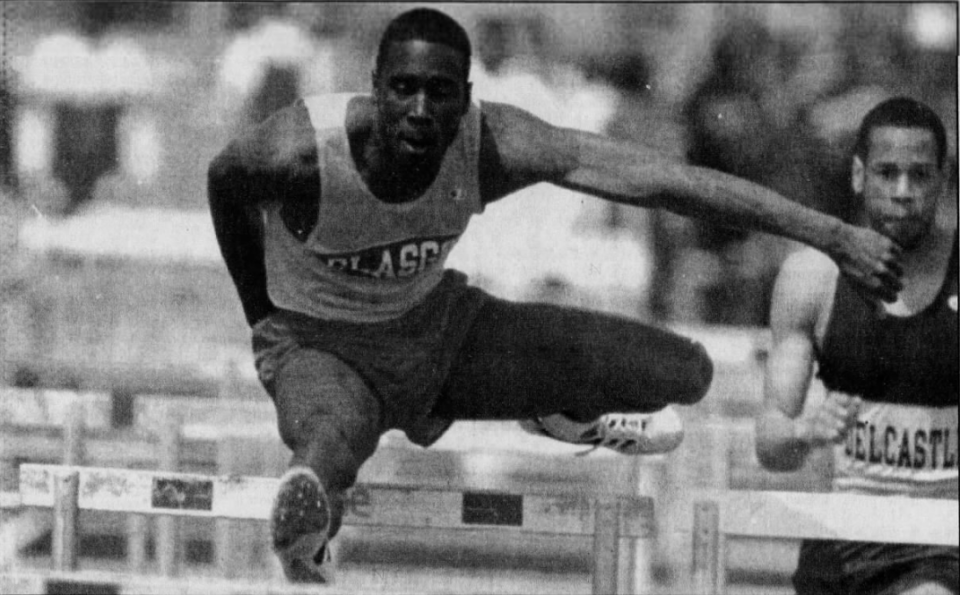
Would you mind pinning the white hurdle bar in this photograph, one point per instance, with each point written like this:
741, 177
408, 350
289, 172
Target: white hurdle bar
797, 515
109, 583
610, 520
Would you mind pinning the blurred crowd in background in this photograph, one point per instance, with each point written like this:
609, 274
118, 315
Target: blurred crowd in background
122, 105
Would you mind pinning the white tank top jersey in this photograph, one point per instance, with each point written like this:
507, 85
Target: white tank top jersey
367, 260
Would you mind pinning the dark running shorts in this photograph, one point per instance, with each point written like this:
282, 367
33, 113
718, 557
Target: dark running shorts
856, 568
404, 362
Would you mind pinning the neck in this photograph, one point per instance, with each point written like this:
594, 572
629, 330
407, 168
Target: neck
389, 179
933, 243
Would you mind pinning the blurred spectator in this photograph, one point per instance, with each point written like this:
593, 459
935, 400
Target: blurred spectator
78, 86
644, 115
270, 62
88, 77
510, 67
746, 119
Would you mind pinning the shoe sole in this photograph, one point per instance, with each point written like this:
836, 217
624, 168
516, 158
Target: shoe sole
300, 517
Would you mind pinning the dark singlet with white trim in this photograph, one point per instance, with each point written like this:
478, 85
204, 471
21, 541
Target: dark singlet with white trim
906, 369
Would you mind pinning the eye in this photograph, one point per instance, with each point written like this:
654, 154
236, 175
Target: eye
886, 172
922, 175
402, 87
441, 89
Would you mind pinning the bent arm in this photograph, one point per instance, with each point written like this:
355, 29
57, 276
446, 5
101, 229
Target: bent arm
237, 226
781, 442
274, 162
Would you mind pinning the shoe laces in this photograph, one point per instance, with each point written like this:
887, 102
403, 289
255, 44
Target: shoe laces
610, 430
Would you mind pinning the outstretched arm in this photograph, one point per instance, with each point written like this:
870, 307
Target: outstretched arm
529, 150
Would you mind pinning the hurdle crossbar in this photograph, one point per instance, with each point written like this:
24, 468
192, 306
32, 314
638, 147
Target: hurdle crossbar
608, 519
33, 583
797, 515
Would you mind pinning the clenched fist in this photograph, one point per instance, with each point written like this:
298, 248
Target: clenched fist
871, 260
829, 422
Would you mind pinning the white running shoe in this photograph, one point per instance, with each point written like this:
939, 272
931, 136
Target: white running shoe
299, 524
627, 433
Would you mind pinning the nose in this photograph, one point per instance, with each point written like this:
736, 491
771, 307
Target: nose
903, 190
420, 107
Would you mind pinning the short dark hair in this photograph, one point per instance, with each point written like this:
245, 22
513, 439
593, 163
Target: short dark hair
425, 24
901, 112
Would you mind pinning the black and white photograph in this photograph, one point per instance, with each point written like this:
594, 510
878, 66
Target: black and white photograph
539, 298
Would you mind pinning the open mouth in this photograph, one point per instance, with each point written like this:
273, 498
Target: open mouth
415, 145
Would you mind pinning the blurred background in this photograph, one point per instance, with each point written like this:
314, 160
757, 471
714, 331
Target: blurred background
110, 112
113, 110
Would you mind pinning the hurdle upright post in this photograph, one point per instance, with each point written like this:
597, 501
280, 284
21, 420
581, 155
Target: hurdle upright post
707, 571
73, 431
66, 514
606, 541
232, 538
168, 539
138, 531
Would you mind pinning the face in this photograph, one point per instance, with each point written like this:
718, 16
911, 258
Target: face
421, 96
900, 183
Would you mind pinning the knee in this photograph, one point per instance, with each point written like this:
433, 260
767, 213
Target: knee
695, 381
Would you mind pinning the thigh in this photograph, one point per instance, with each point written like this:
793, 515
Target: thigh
315, 388
819, 570
520, 360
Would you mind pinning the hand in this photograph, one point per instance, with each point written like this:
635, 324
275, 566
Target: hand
829, 422
872, 262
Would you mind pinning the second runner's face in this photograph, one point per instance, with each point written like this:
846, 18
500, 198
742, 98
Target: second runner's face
900, 183
421, 96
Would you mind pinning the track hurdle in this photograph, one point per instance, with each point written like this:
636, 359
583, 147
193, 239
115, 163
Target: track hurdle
609, 520
102, 583
796, 515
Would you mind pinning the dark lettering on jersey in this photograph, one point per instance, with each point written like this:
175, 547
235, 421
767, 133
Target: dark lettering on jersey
392, 261
875, 455
920, 446
949, 456
906, 456
902, 449
936, 437
858, 450
889, 436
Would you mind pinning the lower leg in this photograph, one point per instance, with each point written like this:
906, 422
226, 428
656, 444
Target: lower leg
331, 422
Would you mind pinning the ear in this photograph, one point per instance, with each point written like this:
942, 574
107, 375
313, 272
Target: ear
857, 173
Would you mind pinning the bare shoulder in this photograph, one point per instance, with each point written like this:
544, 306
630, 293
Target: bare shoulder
809, 265
804, 289
525, 145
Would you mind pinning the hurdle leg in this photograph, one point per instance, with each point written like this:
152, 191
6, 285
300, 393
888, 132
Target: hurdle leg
66, 514
168, 539
138, 527
707, 549
234, 546
606, 541
638, 556
73, 429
